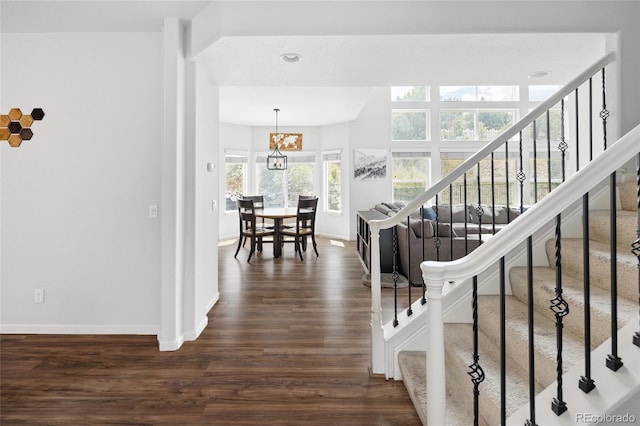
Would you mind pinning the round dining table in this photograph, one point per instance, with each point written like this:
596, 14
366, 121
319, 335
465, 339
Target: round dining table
277, 214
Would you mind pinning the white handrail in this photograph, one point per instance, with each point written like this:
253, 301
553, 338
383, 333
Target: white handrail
435, 274
492, 146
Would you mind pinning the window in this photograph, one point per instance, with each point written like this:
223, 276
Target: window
409, 94
474, 125
504, 179
236, 178
409, 125
282, 187
411, 171
546, 174
332, 181
478, 93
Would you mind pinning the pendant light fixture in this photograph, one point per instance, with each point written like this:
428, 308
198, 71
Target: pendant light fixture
276, 160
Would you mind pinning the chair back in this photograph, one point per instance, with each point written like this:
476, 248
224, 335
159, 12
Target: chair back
306, 214
247, 214
258, 200
306, 197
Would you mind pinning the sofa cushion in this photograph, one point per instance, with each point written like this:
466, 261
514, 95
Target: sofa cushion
428, 213
416, 226
383, 209
445, 230
392, 206
458, 212
502, 214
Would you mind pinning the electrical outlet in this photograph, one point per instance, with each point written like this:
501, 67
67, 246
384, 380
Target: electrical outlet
153, 210
38, 295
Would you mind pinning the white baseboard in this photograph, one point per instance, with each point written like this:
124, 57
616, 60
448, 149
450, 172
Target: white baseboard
78, 329
170, 345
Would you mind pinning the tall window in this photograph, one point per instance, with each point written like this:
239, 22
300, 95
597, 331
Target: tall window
474, 125
236, 178
282, 187
410, 174
332, 165
504, 179
410, 125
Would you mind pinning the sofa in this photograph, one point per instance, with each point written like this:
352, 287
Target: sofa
444, 232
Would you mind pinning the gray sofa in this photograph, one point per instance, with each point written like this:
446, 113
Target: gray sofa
458, 229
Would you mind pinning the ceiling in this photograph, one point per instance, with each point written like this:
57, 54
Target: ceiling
336, 75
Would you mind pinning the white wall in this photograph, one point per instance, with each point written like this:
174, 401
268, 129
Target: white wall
75, 198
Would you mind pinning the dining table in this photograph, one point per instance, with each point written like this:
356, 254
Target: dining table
277, 214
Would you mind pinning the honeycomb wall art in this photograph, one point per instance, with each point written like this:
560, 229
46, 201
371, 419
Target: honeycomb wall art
15, 127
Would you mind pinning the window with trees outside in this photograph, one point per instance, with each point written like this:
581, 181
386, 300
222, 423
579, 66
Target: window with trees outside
411, 171
410, 125
504, 179
236, 178
281, 188
474, 125
409, 94
332, 181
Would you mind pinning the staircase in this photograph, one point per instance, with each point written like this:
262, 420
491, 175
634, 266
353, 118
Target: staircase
459, 342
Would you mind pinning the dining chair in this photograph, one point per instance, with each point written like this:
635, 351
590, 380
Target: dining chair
305, 226
258, 203
250, 229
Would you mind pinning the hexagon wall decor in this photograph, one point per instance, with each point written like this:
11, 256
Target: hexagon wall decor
15, 126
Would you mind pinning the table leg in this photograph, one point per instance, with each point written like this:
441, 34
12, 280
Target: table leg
277, 246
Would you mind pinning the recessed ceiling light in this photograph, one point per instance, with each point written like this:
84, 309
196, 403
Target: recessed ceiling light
539, 74
291, 57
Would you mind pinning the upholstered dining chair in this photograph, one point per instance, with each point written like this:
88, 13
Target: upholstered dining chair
305, 226
250, 229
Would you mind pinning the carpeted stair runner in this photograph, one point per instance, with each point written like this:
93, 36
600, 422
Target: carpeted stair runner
458, 337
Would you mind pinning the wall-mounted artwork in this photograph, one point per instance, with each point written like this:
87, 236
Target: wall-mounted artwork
15, 127
370, 164
288, 141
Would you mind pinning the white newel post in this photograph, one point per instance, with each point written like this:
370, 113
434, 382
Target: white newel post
377, 333
436, 382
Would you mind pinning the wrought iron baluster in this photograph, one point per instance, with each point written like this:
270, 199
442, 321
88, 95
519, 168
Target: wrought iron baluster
604, 113
563, 146
436, 240
466, 224
614, 362
395, 274
635, 246
409, 310
506, 178
521, 177
503, 345
451, 222
423, 300
475, 370
560, 308
535, 163
532, 376
590, 118
479, 209
577, 133
586, 383
549, 151
493, 195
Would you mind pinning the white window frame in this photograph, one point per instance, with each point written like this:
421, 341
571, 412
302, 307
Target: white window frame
329, 157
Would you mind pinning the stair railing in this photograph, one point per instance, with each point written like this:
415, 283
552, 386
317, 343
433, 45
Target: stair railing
444, 190
494, 251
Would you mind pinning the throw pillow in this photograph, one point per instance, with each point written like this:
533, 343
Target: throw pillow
428, 213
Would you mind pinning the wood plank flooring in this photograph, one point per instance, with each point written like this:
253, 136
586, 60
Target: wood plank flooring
287, 344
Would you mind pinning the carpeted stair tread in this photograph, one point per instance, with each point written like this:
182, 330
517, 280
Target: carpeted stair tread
413, 366
518, 337
629, 194
600, 261
626, 224
459, 355
572, 292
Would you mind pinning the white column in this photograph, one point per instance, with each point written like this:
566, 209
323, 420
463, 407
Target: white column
436, 381
377, 333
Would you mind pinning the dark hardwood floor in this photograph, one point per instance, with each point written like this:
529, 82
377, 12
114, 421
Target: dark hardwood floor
288, 343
